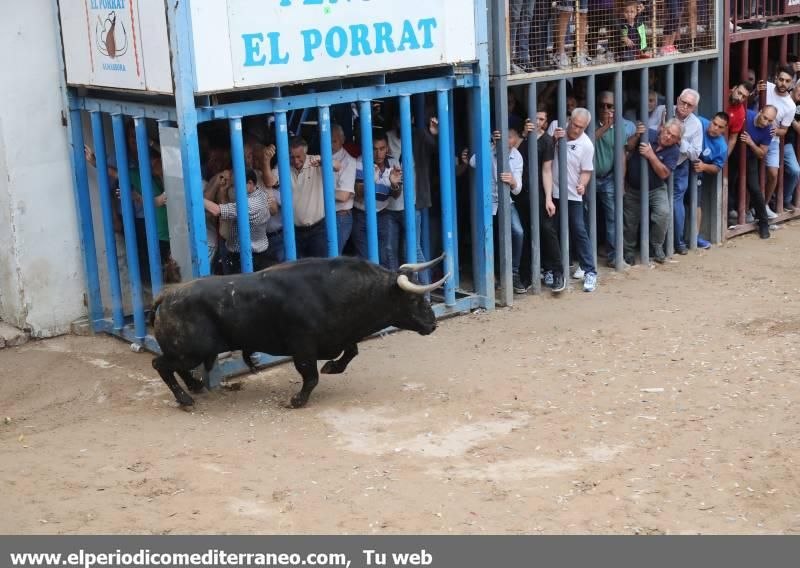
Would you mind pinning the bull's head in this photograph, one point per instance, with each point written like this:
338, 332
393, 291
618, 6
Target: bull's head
417, 314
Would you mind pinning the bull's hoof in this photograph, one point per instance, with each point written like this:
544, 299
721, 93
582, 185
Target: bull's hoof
298, 401
330, 368
185, 400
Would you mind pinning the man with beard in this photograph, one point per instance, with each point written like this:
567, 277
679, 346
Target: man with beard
737, 111
779, 97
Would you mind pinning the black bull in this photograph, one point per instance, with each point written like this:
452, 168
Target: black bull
310, 310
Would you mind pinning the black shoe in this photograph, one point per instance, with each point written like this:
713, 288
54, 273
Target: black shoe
763, 231
629, 260
559, 284
682, 250
788, 207
519, 287
660, 259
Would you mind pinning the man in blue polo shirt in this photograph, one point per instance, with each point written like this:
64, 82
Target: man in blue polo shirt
661, 154
711, 159
757, 136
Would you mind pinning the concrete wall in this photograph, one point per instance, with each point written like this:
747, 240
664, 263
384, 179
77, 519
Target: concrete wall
41, 271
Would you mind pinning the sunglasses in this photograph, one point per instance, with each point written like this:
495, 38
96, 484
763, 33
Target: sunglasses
607, 105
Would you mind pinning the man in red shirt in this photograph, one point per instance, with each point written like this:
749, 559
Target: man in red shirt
737, 111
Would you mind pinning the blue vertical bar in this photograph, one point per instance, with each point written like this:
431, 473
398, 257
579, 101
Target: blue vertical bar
591, 95
148, 204
445, 179
619, 174
409, 180
480, 121
691, 216
129, 225
368, 164
454, 199
108, 219
533, 195
285, 178
563, 190
180, 30
644, 225
328, 182
84, 208
240, 185
670, 108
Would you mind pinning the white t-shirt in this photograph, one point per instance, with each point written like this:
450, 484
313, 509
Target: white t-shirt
515, 164
382, 184
692, 140
785, 105
309, 201
580, 158
395, 143
345, 178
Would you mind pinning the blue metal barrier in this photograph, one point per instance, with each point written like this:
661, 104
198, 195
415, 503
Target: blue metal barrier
411, 97
129, 225
104, 189
148, 204
240, 184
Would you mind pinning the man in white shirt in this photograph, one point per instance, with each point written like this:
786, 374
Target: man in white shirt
691, 148
779, 96
311, 238
388, 177
514, 180
345, 180
580, 165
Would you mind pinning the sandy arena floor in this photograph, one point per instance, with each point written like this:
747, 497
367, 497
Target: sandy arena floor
667, 402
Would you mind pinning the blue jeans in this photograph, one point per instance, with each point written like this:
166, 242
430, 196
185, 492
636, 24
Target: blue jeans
311, 241
606, 201
521, 18
276, 252
680, 185
359, 233
516, 239
791, 173
344, 226
392, 249
577, 230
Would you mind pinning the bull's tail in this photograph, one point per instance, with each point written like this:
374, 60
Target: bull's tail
156, 302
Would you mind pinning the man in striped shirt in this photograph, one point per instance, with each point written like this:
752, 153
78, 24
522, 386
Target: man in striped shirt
258, 215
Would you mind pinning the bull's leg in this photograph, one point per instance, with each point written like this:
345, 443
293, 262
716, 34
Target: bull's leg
192, 384
339, 365
307, 367
248, 361
161, 364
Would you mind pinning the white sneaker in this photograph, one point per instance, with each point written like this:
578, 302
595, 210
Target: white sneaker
749, 217
771, 214
578, 274
561, 61
584, 60
590, 282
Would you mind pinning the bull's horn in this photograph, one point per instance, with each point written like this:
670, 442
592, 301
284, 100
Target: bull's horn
409, 286
416, 267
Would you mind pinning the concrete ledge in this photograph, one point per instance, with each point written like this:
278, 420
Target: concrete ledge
10, 336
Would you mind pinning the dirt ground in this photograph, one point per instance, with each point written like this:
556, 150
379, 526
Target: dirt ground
666, 402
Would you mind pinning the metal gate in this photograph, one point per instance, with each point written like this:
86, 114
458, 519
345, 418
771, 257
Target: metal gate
119, 305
